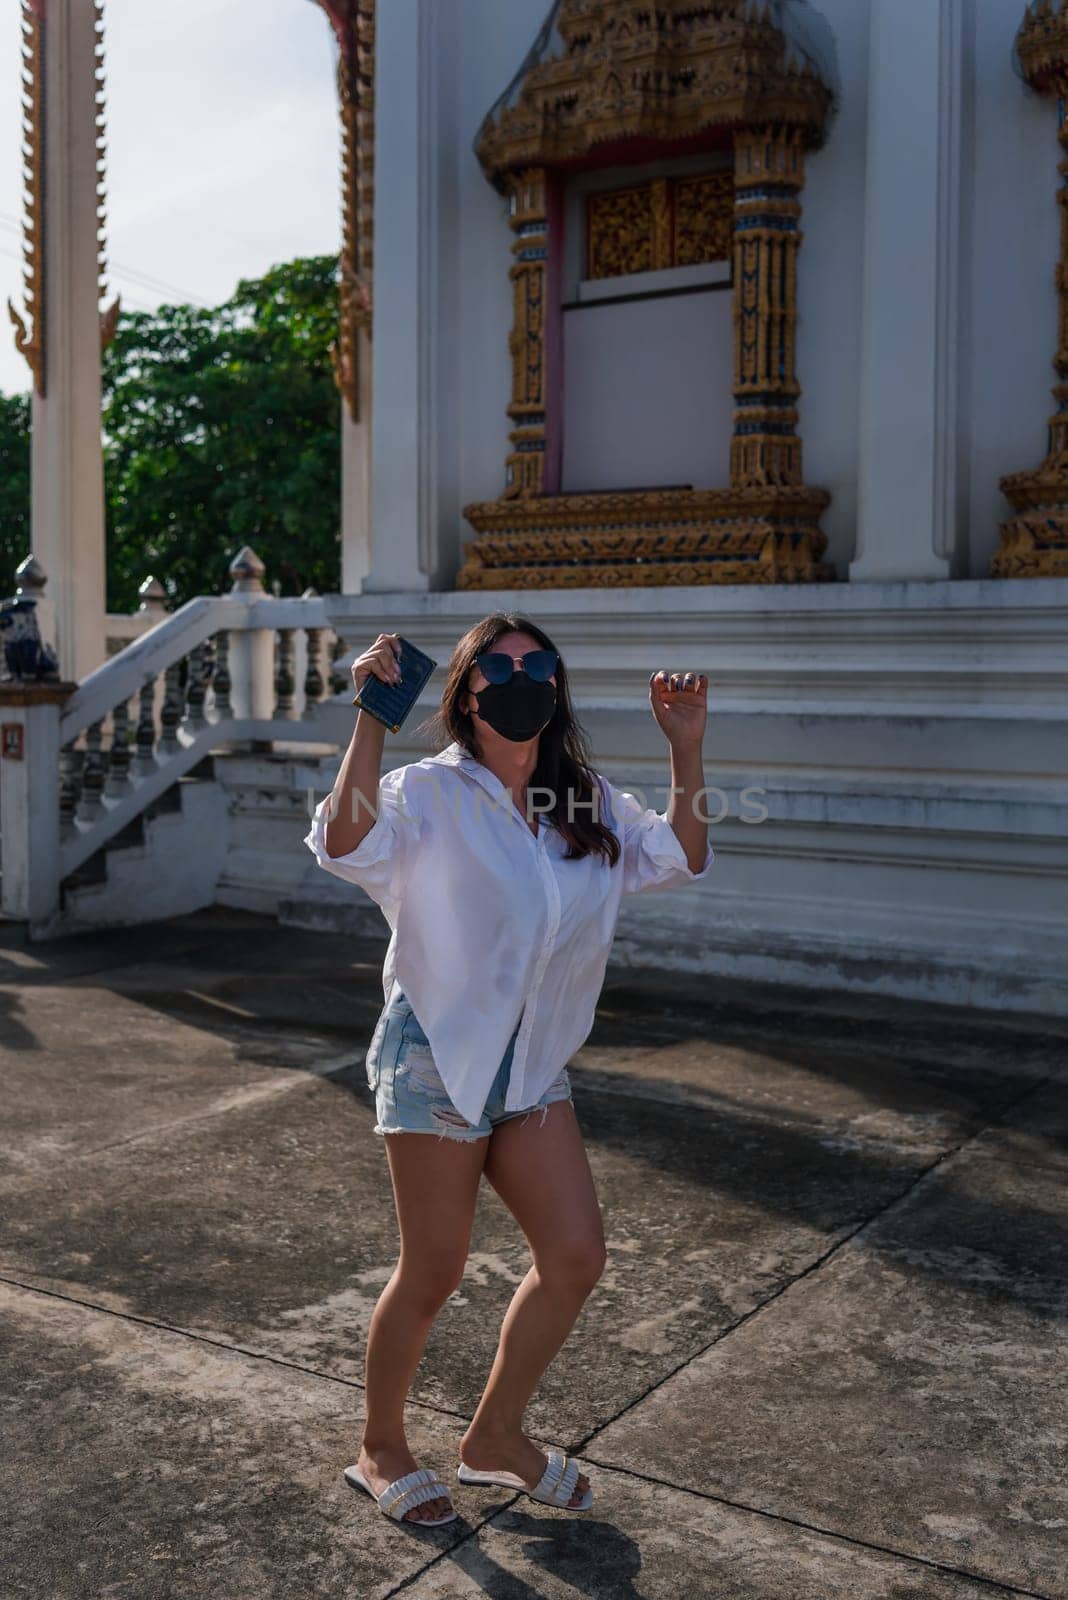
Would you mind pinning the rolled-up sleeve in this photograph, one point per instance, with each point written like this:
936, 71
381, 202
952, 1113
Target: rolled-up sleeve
379, 862
653, 856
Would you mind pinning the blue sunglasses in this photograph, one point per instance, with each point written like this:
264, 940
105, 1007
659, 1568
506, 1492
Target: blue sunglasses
498, 667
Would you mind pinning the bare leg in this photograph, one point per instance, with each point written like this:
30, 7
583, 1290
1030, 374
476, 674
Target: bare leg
435, 1186
541, 1172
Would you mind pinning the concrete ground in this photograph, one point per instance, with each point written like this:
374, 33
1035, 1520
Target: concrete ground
826, 1360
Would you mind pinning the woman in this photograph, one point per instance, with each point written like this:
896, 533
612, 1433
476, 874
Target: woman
499, 864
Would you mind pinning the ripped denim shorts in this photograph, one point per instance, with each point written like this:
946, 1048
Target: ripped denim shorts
409, 1094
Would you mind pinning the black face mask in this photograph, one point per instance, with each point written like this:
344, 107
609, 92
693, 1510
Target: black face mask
518, 709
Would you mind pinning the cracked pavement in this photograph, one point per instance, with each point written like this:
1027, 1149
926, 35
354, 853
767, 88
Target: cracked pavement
827, 1357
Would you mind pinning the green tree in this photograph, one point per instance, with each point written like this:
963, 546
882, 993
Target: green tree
221, 429
14, 486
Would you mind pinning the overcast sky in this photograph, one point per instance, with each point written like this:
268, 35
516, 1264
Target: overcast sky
223, 149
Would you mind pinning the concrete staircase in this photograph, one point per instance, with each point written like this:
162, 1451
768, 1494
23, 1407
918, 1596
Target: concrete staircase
228, 833
270, 799
168, 857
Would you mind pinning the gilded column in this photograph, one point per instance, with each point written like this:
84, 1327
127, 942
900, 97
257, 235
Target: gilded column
768, 177
528, 208
1034, 542
353, 22
354, 25
62, 328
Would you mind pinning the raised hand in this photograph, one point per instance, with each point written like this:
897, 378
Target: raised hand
680, 705
381, 659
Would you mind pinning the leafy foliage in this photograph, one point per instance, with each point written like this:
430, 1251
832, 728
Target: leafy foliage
220, 429
14, 486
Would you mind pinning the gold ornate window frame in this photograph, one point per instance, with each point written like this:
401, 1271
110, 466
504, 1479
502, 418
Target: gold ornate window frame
600, 100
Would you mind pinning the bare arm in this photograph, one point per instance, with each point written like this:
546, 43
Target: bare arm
680, 705
352, 811
684, 810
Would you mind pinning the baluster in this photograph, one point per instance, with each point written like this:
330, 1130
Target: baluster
93, 773
207, 667
313, 678
145, 759
221, 681
118, 778
196, 688
339, 677
71, 760
314, 685
284, 679
171, 710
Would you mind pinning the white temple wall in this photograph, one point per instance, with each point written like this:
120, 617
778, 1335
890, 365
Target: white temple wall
906, 723
865, 324
829, 277
505, 30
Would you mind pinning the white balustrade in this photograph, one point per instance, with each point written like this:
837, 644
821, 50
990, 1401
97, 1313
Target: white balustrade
244, 666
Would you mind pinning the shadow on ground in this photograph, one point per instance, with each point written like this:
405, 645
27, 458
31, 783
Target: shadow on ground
825, 1358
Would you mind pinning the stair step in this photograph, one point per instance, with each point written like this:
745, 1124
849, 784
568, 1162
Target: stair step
94, 871
132, 834
170, 800
90, 873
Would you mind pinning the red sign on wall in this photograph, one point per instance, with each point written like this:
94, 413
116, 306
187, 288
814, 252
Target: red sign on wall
11, 740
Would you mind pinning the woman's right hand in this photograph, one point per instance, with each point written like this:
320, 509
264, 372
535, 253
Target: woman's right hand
381, 659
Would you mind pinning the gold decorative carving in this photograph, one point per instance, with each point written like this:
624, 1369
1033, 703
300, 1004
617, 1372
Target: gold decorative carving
666, 536
661, 74
704, 218
109, 318
669, 222
619, 232
30, 329
1042, 47
663, 221
527, 216
1034, 542
768, 176
353, 22
680, 75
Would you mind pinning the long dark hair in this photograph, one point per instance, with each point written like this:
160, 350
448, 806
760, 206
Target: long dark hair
563, 765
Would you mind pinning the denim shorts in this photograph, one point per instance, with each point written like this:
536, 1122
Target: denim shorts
409, 1094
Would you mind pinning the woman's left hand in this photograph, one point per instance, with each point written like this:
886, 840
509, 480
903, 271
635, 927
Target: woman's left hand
680, 705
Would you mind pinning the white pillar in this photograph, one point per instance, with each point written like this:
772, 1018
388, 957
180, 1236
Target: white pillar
356, 469
251, 654
414, 514
67, 473
909, 503
399, 336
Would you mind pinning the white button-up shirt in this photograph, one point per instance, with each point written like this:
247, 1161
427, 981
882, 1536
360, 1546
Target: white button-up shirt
490, 925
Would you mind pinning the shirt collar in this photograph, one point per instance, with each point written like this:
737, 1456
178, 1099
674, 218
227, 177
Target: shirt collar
456, 755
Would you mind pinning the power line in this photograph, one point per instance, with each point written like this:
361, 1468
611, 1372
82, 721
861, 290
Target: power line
142, 280
136, 303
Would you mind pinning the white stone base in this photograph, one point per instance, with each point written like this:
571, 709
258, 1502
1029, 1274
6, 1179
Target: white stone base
910, 743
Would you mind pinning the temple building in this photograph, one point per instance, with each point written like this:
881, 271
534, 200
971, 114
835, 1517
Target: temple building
729, 336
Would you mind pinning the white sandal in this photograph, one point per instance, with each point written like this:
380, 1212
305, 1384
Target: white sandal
554, 1488
402, 1494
